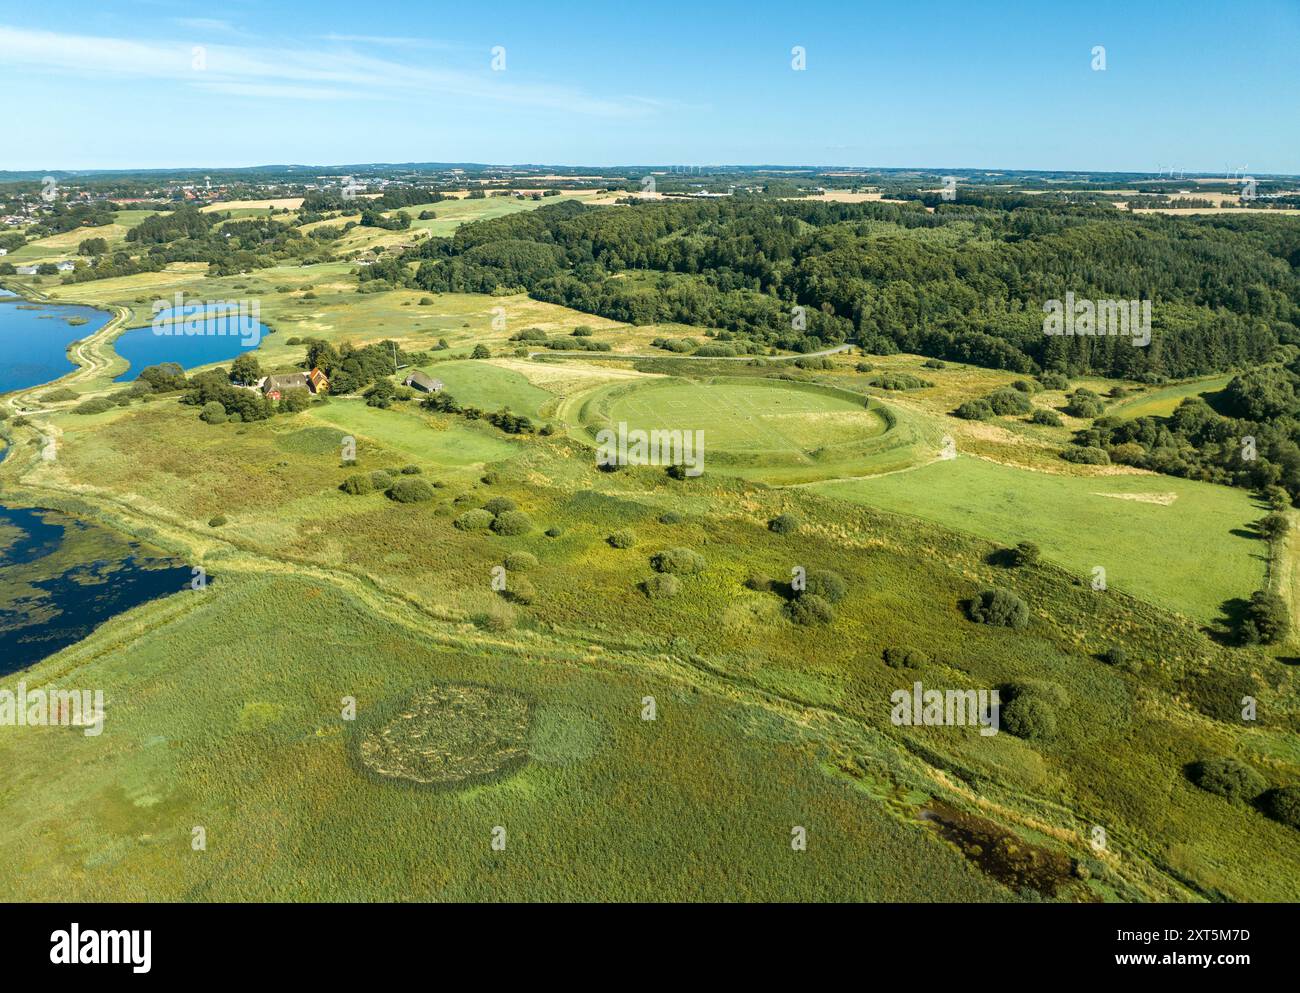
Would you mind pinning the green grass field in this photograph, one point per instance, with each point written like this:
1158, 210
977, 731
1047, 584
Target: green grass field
1162, 401
64, 246
252, 748
491, 387
772, 430
1189, 554
750, 417
407, 432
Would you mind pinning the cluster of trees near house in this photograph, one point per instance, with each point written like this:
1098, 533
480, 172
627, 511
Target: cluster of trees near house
351, 369
967, 282
213, 391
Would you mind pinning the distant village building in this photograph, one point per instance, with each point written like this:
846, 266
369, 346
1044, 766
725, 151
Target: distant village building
420, 381
26, 270
4, 251
318, 382
66, 266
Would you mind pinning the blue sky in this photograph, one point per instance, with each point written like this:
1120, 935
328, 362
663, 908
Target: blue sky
1195, 85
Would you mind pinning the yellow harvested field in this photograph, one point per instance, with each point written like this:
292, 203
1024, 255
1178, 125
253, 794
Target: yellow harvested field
1217, 210
288, 203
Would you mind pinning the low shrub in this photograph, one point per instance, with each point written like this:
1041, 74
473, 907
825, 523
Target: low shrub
1084, 403
661, 587
974, 410
1029, 717
97, 405
828, 585
1086, 455
1284, 805
511, 523
683, 561
499, 505
1009, 401
899, 381
1026, 553
521, 561
411, 491
810, 609
1000, 608
474, 520
357, 485
1228, 777
622, 538
784, 524
904, 657
520, 590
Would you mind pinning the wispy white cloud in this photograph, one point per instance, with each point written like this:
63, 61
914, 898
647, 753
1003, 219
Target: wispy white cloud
204, 24
294, 74
389, 41
274, 91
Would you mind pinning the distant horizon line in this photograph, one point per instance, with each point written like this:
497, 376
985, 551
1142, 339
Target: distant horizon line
670, 168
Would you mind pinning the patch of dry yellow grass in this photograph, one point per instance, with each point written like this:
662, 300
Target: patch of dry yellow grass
287, 203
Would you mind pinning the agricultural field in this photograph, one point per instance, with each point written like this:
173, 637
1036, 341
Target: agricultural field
452, 213
58, 247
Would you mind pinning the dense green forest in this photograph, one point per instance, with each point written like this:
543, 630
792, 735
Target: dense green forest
967, 282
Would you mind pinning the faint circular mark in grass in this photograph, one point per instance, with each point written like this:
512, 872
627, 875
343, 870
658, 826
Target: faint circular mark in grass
448, 736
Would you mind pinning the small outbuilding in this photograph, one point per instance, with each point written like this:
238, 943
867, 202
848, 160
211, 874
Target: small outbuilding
420, 381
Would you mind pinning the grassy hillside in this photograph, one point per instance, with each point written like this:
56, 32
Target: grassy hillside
1185, 545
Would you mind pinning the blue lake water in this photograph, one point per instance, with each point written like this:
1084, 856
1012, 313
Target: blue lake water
191, 338
34, 342
61, 578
